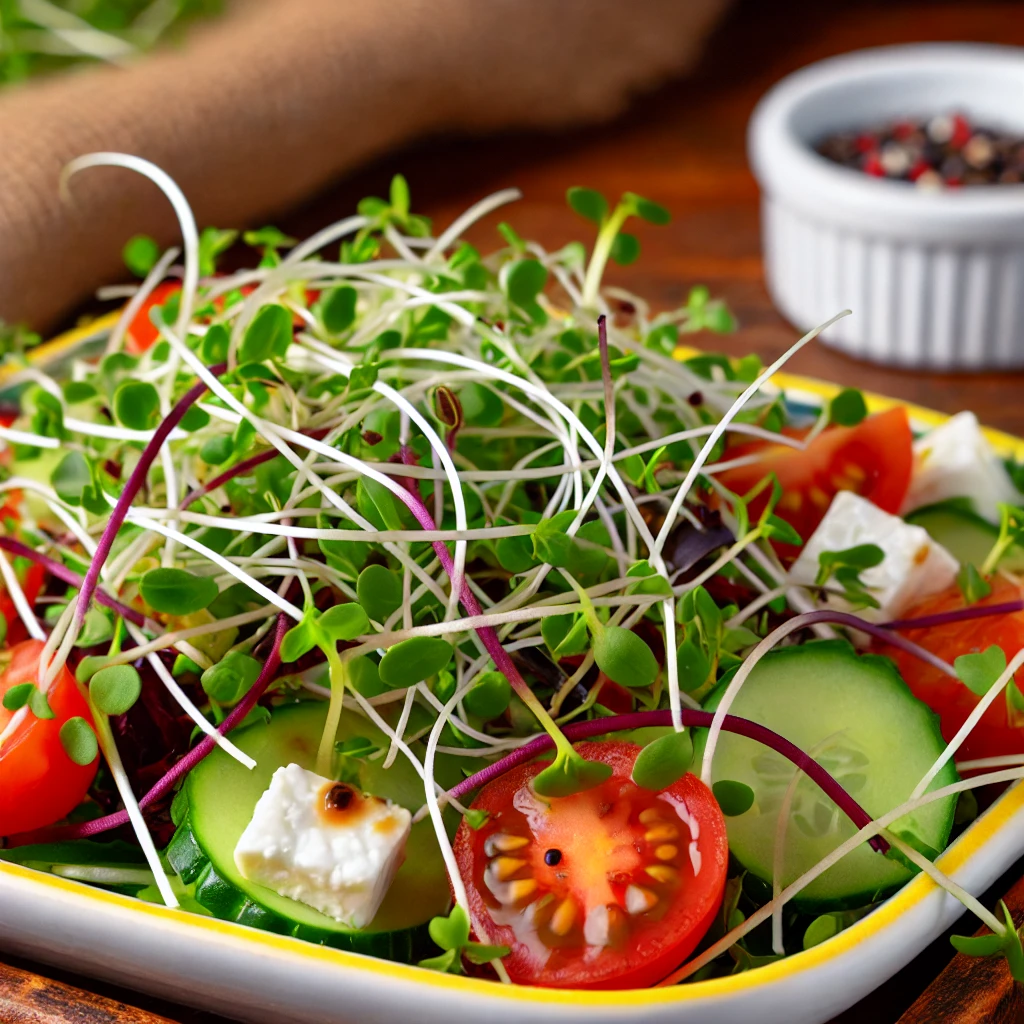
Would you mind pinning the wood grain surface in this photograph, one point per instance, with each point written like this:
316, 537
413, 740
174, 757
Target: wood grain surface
685, 147
27, 998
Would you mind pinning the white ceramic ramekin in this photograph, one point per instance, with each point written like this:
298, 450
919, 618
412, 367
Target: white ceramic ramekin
935, 280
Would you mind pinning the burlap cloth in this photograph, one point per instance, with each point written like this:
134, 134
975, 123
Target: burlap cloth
269, 103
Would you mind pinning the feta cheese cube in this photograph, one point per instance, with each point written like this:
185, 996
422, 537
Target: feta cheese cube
954, 460
324, 844
914, 566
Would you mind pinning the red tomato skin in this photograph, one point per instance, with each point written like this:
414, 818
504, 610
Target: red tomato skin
39, 783
141, 333
994, 734
874, 458
654, 950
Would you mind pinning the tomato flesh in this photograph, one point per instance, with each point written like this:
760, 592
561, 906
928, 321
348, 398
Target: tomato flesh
1001, 728
142, 332
874, 459
39, 783
609, 888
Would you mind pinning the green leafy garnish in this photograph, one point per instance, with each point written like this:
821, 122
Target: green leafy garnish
664, 761
451, 933
177, 591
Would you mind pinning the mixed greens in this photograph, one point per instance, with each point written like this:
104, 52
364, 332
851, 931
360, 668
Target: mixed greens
473, 542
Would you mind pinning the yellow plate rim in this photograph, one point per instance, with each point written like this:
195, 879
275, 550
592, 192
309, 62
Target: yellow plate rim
955, 858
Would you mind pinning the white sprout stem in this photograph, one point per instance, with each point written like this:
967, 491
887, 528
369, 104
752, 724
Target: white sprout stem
723, 424
21, 605
179, 203
136, 302
180, 697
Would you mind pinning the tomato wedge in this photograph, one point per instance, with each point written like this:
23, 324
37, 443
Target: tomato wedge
141, 332
1001, 728
609, 888
39, 783
873, 458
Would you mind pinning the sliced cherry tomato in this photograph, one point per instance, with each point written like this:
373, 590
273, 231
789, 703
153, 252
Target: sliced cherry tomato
141, 332
1001, 728
873, 458
39, 783
609, 888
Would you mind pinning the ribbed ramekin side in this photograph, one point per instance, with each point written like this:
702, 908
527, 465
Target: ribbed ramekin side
915, 304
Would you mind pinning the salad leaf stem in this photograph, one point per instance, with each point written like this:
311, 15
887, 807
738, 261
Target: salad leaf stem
135, 484
70, 577
573, 769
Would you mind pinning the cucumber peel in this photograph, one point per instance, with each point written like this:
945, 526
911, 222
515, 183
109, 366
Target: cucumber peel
216, 803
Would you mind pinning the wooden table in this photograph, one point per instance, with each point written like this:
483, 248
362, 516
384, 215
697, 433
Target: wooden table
685, 147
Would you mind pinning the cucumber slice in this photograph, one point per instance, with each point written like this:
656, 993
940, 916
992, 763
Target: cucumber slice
857, 717
217, 801
964, 534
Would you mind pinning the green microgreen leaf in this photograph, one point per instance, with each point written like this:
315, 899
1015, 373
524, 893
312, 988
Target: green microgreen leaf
734, 798
821, 929
268, 238
343, 622
844, 568
299, 640
231, 678
774, 528
489, 696
337, 309
848, 408
115, 689
136, 404
1011, 534
177, 591
978, 672
267, 336
410, 661
476, 818
71, 477
588, 203
217, 450
565, 635
1008, 944
648, 210
400, 198
524, 281
79, 741
569, 773
379, 591
18, 696
39, 704
89, 666
216, 343
664, 761
972, 584
364, 676
97, 628
212, 243
624, 657
625, 249
140, 254
377, 504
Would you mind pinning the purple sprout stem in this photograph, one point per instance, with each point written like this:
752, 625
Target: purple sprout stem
70, 577
880, 632
190, 760
702, 719
135, 484
957, 615
488, 636
239, 468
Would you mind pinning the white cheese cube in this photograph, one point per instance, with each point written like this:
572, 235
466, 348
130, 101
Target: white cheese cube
324, 844
914, 566
954, 460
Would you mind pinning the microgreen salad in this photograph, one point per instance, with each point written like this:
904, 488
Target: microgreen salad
438, 606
